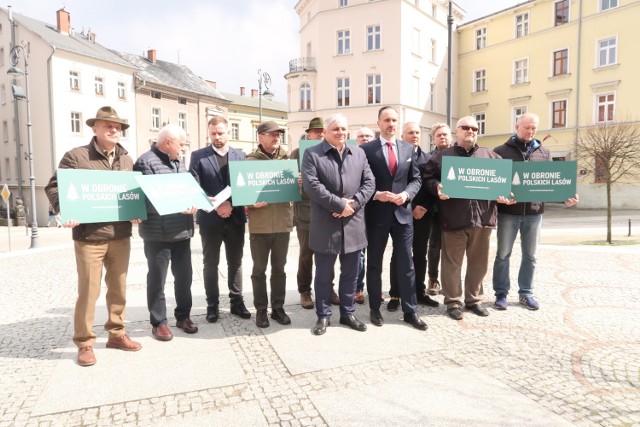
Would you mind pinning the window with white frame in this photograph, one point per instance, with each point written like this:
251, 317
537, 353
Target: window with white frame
561, 12
235, 131
343, 3
3, 94
520, 71
305, 97
343, 88
76, 122
605, 107
607, 52
374, 89
373, 37
344, 42
559, 114
99, 85
517, 112
481, 38
480, 118
182, 120
480, 80
74, 80
608, 4
1, 57
155, 118
122, 91
432, 97
5, 131
434, 50
560, 62
7, 169
415, 41
522, 24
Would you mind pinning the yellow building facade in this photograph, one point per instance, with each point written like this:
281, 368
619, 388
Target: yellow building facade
572, 62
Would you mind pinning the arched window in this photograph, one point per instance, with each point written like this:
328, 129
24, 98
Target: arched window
305, 96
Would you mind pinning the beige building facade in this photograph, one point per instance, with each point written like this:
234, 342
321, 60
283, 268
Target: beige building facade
359, 55
572, 62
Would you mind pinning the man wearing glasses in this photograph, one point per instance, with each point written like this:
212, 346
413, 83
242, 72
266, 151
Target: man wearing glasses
269, 227
466, 226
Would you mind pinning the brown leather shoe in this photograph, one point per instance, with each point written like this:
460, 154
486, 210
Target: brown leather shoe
335, 299
305, 300
187, 326
359, 298
434, 287
262, 319
123, 342
162, 332
86, 356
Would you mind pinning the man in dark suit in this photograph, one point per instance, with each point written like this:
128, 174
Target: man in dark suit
225, 224
338, 181
394, 166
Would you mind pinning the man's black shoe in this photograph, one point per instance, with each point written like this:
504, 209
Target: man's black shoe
321, 326
280, 316
424, 299
415, 321
376, 317
393, 304
262, 319
240, 310
353, 323
455, 313
212, 314
478, 310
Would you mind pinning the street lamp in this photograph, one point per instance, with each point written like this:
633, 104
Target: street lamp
263, 79
16, 53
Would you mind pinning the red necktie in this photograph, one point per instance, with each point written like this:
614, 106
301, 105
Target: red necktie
393, 162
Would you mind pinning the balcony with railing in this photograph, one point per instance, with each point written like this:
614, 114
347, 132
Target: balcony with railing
302, 64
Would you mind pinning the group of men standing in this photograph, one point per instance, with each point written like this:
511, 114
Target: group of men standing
352, 198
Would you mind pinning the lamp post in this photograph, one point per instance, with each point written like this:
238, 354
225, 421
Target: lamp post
16, 53
263, 79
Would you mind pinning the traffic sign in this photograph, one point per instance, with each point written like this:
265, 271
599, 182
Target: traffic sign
5, 193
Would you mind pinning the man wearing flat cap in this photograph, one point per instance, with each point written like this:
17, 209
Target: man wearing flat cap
301, 219
269, 227
99, 244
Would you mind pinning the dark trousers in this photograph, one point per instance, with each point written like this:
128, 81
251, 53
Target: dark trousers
435, 245
323, 283
305, 261
158, 255
263, 245
402, 236
232, 235
421, 231
361, 271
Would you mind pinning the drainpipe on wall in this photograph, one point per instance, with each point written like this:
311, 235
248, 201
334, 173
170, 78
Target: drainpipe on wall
578, 58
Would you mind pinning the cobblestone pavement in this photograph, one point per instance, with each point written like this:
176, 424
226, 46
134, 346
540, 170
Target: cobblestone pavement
576, 359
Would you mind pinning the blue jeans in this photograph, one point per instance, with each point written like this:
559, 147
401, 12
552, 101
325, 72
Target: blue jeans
508, 227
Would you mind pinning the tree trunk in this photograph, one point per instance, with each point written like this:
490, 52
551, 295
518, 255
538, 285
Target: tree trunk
609, 211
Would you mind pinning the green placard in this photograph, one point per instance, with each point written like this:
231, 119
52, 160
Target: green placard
269, 181
472, 178
173, 192
306, 143
544, 181
90, 196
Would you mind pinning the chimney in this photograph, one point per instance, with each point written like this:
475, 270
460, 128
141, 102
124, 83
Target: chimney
241, 90
254, 93
64, 21
151, 55
92, 37
212, 84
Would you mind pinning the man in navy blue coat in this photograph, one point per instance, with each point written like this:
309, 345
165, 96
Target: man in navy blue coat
338, 181
225, 224
394, 166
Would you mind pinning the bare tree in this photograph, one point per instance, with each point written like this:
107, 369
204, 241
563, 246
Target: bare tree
610, 151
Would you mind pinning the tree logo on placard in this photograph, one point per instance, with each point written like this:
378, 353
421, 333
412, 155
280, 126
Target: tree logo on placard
452, 175
240, 181
72, 193
516, 179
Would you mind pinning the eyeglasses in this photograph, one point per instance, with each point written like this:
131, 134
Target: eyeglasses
466, 128
274, 134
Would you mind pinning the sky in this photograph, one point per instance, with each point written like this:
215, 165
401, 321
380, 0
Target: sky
226, 41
